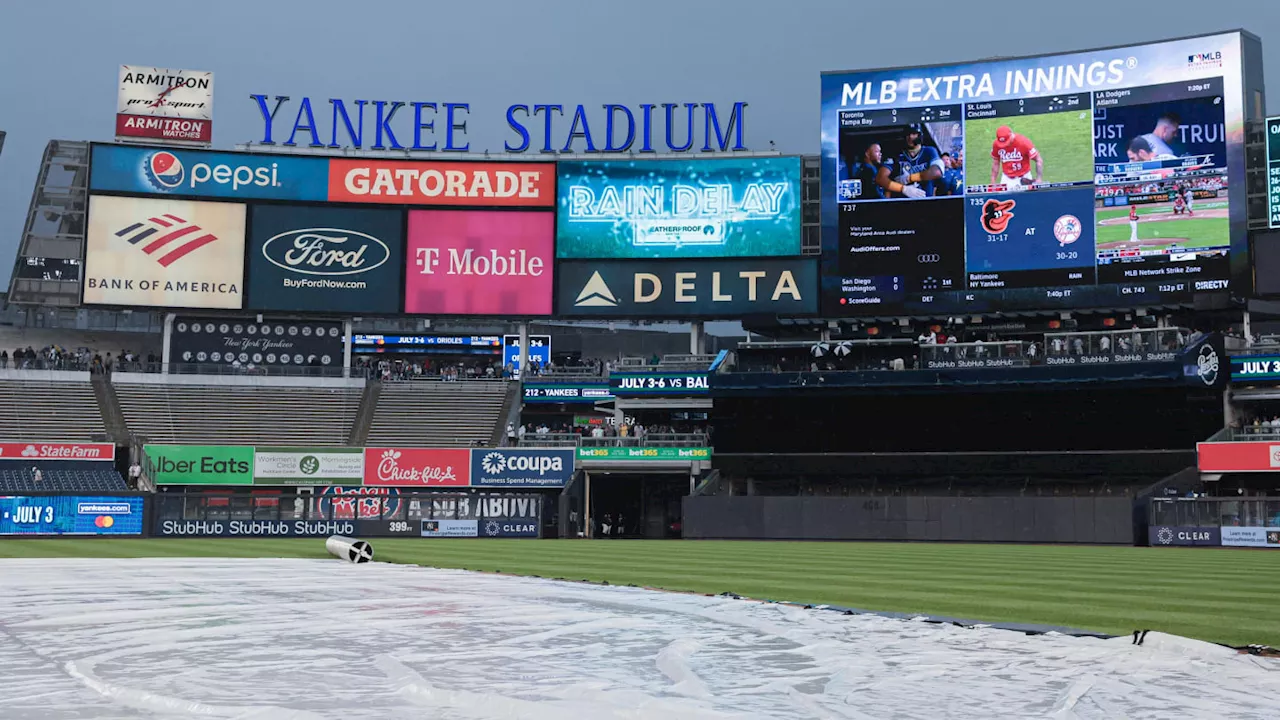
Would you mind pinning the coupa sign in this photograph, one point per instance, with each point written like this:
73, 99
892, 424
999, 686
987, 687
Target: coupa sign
521, 468
334, 259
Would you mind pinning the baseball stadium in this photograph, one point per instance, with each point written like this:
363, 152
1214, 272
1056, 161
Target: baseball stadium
310, 417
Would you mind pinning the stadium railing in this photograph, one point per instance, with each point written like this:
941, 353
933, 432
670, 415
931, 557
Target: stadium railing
1263, 512
650, 440
240, 369
1248, 433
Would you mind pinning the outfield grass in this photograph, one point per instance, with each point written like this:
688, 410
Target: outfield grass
1064, 139
1225, 596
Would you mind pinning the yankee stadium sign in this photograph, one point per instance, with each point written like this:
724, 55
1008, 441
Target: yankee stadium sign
412, 125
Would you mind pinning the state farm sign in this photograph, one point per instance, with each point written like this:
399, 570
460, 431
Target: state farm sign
480, 262
442, 183
57, 451
417, 467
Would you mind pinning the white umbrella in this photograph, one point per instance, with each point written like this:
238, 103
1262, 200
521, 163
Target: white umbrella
844, 348
820, 349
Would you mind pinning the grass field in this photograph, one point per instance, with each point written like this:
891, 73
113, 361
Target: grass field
1225, 596
1064, 139
1158, 221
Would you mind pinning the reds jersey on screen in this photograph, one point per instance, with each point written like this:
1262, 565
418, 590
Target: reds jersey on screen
920, 162
1016, 157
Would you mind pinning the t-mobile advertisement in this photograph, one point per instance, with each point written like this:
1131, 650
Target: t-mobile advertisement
480, 262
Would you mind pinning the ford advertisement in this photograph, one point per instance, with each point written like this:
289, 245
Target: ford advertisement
521, 468
325, 259
201, 173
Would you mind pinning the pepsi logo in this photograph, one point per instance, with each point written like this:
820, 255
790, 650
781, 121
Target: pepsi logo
165, 170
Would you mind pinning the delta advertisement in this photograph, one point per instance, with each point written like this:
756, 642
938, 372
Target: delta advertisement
687, 288
164, 253
325, 259
480, 262
71, 515
737, 207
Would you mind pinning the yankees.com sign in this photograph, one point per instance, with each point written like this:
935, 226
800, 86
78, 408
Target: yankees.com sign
521, 468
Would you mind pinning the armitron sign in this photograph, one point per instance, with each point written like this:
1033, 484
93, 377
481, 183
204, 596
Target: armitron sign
163, 104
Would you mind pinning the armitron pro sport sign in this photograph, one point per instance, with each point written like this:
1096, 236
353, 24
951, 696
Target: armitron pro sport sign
164, 104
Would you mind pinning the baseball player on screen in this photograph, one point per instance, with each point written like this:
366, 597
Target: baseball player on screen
918, 168
867, 171
1133, 223
1189, 197
1011, 158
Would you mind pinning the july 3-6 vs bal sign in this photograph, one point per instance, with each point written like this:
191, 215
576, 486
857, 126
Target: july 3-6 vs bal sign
165, 104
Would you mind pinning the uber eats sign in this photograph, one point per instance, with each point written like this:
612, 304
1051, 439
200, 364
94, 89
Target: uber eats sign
200, 464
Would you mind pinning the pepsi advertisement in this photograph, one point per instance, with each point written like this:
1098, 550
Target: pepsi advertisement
705, 208
70, 515
325, 259
521, 468
201, 173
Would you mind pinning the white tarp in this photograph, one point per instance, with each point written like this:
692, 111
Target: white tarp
292, 639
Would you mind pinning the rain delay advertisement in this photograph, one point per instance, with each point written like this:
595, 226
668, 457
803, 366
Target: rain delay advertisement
325, 259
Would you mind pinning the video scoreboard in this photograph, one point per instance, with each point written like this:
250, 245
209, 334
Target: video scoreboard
1090, 179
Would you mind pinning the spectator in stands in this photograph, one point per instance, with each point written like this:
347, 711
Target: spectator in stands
512, 440
4, 358
36, 475
135, 474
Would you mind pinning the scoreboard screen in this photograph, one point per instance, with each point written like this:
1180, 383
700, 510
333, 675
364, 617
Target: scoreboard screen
1273, 171
1091, 179
70, 515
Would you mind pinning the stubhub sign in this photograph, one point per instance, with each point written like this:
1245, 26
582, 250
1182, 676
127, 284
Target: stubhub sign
521, 468
201, 173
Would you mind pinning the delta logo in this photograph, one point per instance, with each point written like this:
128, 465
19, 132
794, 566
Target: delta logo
168, 238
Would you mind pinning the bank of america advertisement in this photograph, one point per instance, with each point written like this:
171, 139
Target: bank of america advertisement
697, 208
1099, 178
164, 253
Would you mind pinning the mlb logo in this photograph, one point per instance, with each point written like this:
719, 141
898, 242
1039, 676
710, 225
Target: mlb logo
849, 189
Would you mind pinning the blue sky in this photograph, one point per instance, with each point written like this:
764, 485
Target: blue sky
59, 58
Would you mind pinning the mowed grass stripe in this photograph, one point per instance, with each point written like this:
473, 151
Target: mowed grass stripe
1218, 595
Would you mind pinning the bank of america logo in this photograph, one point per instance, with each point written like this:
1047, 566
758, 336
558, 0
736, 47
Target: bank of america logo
596, 293
174, 238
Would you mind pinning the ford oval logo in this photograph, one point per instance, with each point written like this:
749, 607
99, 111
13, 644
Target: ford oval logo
326, 251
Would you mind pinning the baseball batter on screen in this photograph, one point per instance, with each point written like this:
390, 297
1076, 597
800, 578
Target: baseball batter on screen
1012, 156
918, 169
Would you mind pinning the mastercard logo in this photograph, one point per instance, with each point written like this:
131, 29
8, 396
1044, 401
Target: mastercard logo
104, 521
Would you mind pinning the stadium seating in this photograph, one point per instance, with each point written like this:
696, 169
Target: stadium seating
437, 414
239, 414
36, 410
82, 481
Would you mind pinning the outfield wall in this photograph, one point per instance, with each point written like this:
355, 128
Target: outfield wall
947, 519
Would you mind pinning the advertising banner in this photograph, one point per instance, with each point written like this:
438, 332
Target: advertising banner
539, 349
1263, 537
417, 467
549, 392
1256, 369
243, 342
307, 466
350, 503
643, 453
201, 173
57, 451
450, 528
410, 182
1158, 535
164, 253
164, 104
1220, 457
256, 528
325, 259
479, 516
521, 468
70, 515
696, 208
687, 288
670, 384
479, 262
200, 464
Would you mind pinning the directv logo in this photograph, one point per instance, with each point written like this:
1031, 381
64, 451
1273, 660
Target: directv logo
596, 293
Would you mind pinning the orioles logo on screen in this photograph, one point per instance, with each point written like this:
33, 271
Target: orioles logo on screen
996, 215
